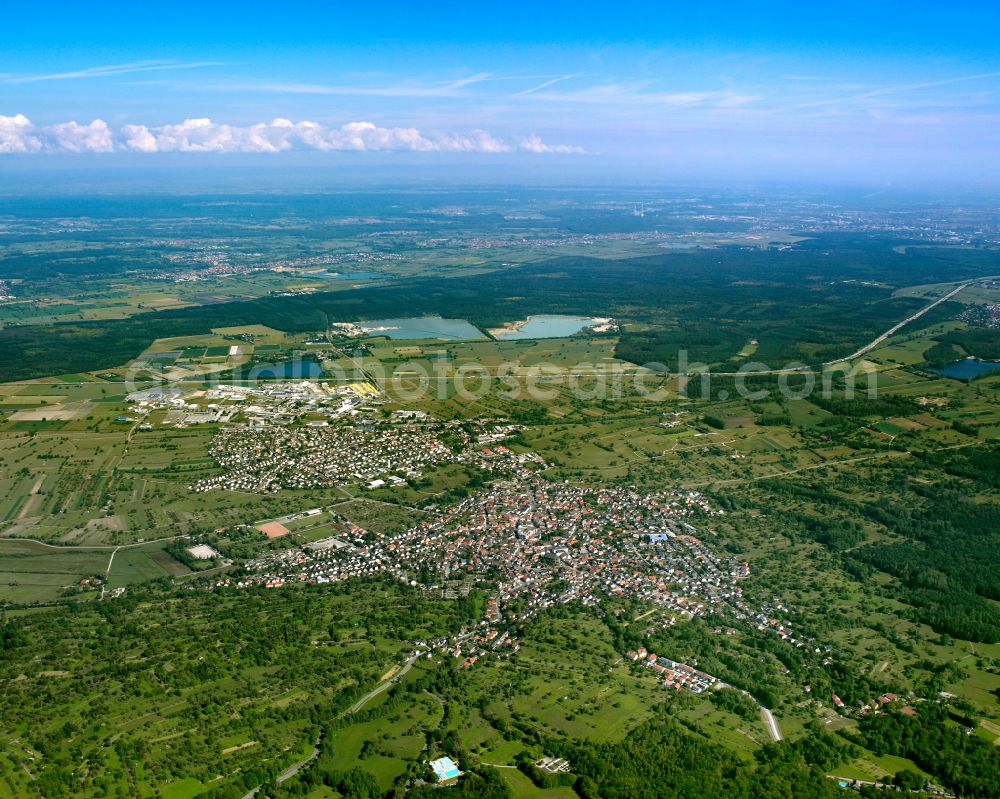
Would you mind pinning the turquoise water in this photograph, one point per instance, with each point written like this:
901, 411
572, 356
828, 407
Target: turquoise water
416, 327
968, 369
548, 326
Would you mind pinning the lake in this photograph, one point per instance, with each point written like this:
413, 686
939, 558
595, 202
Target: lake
417, 327
546, 326
968, 369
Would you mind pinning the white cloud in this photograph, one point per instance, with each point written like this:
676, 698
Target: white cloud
534, 144
368, 136
72, 137
478, 141
19, 135
138, 138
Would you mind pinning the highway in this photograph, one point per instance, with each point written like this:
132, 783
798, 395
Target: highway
875, 342
871, 344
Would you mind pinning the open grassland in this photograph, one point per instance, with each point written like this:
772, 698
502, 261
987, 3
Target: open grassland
31, 572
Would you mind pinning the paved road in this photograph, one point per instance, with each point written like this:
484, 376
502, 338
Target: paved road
107, 572
115, 547
871, 344
114, 550
381, 687
935, 789
772, 724
769, 720
812, 466
292, 770
895, 453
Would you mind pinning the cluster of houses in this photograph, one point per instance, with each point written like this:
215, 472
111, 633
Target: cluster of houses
673, 674
550, 544
540, 544
873, 705
264, 459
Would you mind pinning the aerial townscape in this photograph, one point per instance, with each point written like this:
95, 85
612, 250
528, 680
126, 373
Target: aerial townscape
526, 401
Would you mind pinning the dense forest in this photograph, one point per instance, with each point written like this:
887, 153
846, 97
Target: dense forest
661, 760
965, 763
947, 549
981, 342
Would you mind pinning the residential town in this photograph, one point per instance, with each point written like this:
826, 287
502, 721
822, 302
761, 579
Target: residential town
263, 457
267, 458
537, 545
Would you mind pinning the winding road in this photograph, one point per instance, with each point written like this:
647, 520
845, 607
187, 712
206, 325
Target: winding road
769, 720
114, 547
292, 770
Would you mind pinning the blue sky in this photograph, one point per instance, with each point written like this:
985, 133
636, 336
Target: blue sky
879, 91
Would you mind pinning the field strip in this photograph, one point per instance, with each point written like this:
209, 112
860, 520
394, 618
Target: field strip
107, 572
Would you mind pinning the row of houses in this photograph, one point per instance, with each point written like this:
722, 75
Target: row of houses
673, 674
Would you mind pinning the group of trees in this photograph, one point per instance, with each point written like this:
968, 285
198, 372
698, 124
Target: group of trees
208, 665
941, 354
981, 342
661, 760
967, 764
948, 558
